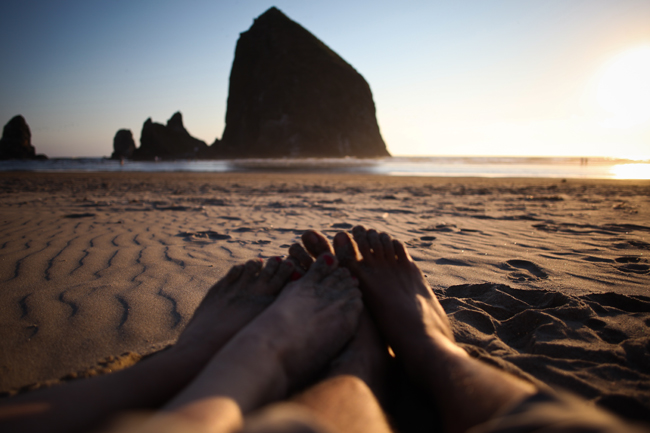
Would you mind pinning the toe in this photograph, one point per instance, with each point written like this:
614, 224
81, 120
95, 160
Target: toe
284, 271
361, 238
346, 252
387, 245
316, 243
270, 268
300, 257
375, 244
400, 252
251, 269
233, 274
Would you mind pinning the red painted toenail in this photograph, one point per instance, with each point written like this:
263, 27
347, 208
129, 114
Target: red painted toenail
277, 259
329, 259
295, 276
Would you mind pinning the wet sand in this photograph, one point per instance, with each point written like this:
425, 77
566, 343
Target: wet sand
547, 278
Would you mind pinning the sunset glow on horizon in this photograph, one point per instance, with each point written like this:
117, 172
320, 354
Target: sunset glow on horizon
497, 78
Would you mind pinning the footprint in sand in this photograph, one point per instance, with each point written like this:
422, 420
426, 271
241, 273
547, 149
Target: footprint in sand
441, 228
79, 215
203, 236
523, 270
633, 264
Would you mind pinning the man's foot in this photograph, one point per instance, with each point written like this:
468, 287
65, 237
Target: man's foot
387, 276
394, 289
315, 245
230, 305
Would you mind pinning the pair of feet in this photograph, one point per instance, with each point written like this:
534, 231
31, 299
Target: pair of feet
314, 309
394, 289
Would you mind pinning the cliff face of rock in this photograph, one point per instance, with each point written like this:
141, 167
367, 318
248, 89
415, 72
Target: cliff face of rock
292, 96
171, 141
16, 141
123, 144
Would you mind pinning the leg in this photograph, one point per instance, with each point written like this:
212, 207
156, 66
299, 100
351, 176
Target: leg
281, 350
417, 329
78, 406
348, 399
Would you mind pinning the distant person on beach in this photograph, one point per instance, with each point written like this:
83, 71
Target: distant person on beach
301, 345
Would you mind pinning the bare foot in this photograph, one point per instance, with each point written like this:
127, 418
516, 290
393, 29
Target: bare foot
366, 355
416, 327
315, 244
230, 305
394, 289
320, 312
309, 323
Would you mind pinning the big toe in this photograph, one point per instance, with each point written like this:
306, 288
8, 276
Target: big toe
316, 243
273, 276
360, 235
300, 257
251, 269
346, 251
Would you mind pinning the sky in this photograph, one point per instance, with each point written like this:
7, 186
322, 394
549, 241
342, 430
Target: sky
479, 78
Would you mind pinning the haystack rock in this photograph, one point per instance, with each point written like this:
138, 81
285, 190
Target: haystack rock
16, 141
171, 141
292, 96
123, 144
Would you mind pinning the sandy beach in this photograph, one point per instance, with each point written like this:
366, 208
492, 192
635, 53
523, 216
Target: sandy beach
547, 278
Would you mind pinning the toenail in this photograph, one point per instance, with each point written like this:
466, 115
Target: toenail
277, 259
295, 275
329, 259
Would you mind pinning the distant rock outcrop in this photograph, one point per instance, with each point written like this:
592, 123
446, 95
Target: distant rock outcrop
123, 144
16, 141
171, 141
292, 96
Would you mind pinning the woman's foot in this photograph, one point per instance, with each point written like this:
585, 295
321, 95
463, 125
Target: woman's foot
230, 305
308, 324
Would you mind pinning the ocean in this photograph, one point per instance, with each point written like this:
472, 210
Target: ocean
538, 167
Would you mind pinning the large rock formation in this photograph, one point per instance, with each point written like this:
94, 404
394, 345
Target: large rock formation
292, 96
123, 144
171, 141
16, 141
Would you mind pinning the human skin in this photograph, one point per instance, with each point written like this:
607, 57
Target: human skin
281, 350
410, 318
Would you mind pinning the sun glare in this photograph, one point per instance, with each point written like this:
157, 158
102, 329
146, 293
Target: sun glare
624, 88
631, 171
